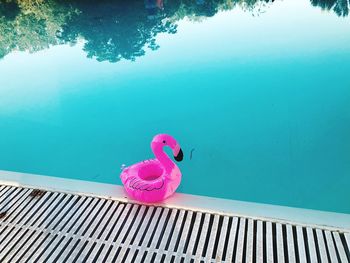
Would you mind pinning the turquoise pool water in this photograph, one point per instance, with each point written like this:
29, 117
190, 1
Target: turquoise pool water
259, 93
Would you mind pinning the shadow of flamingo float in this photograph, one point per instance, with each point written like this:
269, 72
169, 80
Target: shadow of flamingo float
156, 179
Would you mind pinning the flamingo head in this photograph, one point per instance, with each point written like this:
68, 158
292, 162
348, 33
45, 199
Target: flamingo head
167, 140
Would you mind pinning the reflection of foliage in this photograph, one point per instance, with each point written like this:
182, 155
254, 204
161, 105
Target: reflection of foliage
111, 29
340, 7
180, 9
114, 31
8, 10
30, 25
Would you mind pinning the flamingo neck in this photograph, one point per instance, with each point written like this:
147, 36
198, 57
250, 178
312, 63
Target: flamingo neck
163, 158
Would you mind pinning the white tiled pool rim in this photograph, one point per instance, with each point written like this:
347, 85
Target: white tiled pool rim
307, 217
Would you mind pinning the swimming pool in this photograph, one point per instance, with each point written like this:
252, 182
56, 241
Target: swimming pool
258, 93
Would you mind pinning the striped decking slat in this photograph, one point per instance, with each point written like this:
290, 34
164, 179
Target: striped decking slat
290, 244
220, 248
301, 245
321, 245
280, 248
58, 227
269, 242
259, 242
211, 235
311, 243
232, 240
240, 241
340, 247
182, 239
330, 245
171, 243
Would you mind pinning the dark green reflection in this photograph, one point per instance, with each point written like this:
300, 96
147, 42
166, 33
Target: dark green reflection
111, 30
340, 7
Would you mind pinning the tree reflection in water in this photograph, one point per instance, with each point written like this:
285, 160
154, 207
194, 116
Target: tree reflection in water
340, 7
111, 30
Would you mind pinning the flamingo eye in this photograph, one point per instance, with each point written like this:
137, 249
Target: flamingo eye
164, 142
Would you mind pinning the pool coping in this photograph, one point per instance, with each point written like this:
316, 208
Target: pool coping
283, 214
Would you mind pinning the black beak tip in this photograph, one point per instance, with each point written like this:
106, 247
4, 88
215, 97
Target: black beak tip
179, 156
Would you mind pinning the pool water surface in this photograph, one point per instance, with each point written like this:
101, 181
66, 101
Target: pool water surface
257, 93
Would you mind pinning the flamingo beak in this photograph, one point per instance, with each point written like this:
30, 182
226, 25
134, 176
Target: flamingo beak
179, 156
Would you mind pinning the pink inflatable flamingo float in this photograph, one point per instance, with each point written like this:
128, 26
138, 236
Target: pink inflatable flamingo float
156, 179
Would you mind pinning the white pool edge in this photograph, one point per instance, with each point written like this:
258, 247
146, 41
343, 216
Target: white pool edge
307, 217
